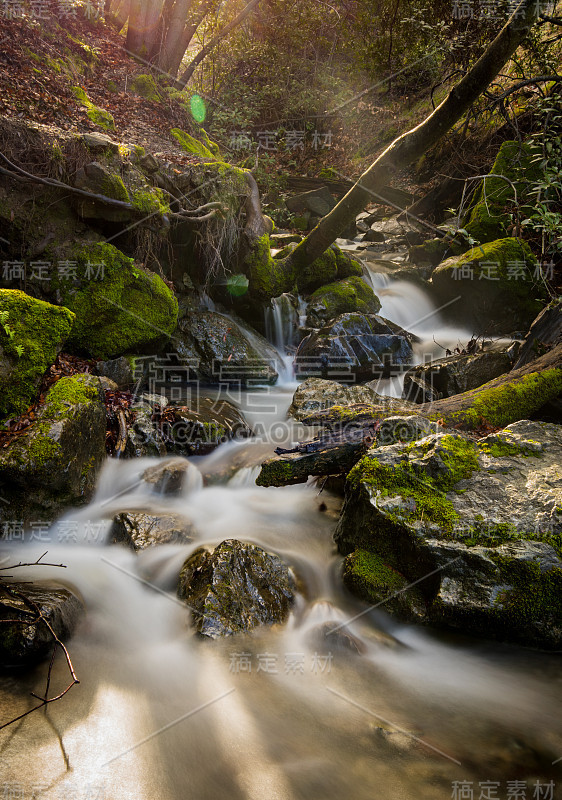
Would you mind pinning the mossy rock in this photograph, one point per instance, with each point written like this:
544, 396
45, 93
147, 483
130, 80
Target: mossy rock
488, 219
321, 272
458, 517
57, 460
98, 116
351, 294
347, 265
96, 178
492, 287
145, 86
120, 308
368, 577
32, 334
192, 145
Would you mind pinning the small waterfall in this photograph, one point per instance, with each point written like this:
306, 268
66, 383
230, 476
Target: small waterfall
281, 322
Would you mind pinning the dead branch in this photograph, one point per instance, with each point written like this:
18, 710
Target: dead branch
37, 617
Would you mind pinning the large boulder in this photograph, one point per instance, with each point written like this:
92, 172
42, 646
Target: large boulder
492, 288
189, 432
98, 179
445, 377
489, 217
477, 524
55, 461
32, 334
341, 297
120, 307
357, 345
218, 350
26, 640
235, 588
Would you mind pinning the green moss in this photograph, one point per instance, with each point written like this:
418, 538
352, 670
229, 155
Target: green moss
191, 145
535, 595
489, 216
370, 570
320, 272
267, 277
349, 295
114, 187
98, 115
209, 144
425, 496
39, 330
66, 393
279, 473
150, 201
500, 405
346, 265
128, 309
145, 86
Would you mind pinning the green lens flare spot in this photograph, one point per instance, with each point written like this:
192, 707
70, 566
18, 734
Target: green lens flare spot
198, 108
237, 285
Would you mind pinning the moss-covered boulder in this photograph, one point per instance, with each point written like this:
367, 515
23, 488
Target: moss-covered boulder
489, 217
99, 116
340, 297
145, 86
235, 588
493, 288
56, 461
191, 145
32, 334
98, 179
477, 523
321, 272
120, 307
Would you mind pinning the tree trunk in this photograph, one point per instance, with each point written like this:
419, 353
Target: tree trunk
181, 32
513, 396
204, 52
413, 144
144, 21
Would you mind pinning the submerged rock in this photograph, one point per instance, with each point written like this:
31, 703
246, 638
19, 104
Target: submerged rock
172, 476
235, 588
32, 334
56, 460
478, 524
26, 640
139, 531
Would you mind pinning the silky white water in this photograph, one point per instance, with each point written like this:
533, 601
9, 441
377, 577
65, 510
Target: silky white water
374, 709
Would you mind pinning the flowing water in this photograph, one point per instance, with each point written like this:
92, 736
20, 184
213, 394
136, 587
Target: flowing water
341, 702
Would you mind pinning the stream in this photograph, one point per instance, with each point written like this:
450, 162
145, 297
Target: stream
374, 709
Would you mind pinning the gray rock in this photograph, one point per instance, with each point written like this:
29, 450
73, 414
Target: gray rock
169, 477
118, 370
219, 350
99, 143
454, 375
478, 524
25, 640
235, 588
97, 179
139, 531
315, 395
188, 432
359, 345
317, 201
